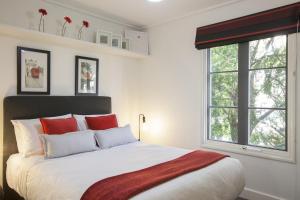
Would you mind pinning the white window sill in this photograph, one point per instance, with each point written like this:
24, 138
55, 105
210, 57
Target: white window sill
282, 156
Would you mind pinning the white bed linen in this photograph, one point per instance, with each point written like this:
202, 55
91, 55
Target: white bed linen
67, 178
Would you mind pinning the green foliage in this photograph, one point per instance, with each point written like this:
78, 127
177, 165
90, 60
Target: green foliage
224, 58
267, 89
224, 124
267, 128
225, 89
268, 53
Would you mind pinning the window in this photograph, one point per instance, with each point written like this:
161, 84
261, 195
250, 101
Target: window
247, 90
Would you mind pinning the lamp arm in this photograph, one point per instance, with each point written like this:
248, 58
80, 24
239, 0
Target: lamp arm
141, 115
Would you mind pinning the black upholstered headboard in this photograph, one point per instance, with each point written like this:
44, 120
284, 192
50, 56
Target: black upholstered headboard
28, 107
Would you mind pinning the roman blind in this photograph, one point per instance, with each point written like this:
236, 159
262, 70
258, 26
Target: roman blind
282, 20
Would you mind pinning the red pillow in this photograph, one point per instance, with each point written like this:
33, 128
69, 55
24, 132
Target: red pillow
102, 122
59, 126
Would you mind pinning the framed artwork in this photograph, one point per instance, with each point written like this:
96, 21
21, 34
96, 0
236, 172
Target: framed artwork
33, 71
116, 41
125, 44
104, 37
86, 76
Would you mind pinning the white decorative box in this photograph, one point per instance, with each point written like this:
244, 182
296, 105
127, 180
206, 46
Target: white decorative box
138, 41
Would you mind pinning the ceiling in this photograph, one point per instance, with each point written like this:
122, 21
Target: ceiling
142, 13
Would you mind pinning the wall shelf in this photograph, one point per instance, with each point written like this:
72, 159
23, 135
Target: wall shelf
46, 38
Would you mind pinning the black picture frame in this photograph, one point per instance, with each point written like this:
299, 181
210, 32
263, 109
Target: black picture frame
77, 92
20, 68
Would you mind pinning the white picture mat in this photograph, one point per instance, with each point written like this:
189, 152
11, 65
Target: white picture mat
43, 62
93, 65
106, 34
119, 43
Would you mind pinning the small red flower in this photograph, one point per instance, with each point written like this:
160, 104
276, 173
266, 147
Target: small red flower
43, 11
85, 23
68, 19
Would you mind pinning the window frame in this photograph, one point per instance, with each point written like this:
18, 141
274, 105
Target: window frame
287, 155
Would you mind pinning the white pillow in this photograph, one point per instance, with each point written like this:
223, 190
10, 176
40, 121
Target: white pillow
81, 122
67, 144
114, 137
27, 133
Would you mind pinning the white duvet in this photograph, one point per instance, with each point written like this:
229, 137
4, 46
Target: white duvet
67, 178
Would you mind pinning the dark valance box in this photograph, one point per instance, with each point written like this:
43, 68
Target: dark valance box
282, 20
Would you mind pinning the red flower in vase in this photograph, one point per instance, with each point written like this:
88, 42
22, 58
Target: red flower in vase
43, 11
85, 23
42, 23
68, 19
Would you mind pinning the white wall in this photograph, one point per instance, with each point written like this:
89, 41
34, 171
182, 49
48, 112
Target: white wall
172, 93
118, 75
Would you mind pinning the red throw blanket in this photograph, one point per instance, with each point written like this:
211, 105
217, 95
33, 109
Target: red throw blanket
127, 185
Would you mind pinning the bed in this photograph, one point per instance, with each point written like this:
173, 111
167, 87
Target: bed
63, 178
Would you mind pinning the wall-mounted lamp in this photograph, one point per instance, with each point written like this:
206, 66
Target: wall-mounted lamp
143, 118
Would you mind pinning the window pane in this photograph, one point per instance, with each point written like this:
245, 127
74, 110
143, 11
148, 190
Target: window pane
223, 124
224, 58
224, 89
267, 128
268, 88
268, 53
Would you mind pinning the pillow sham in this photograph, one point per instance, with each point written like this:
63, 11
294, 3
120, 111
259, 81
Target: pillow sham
114, 137
27, 133
56, 146
81, 122
59, 126
102, 122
